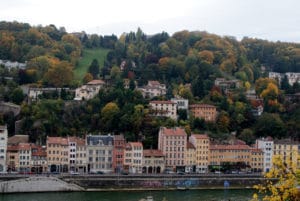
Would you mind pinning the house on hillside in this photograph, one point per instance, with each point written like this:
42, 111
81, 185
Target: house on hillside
89, 90
153, 89
204, 111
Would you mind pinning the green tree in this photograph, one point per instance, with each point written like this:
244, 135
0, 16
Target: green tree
60, 75
247, 135
17, 96
94, 68
109, 117
270, 124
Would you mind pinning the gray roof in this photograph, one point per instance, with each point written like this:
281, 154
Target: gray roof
100, 140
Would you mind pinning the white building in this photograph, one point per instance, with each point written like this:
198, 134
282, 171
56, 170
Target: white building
100, 153
267, 146
293, 77
3, 148
89, 90
181, 103
133, 157
153, 89
163, 109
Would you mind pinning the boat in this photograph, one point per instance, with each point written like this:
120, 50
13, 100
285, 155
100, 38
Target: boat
148, 198
182, 188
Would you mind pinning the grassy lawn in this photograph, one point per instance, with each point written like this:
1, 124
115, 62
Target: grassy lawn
87, 58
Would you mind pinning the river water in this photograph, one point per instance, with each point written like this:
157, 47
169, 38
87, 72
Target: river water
189, 195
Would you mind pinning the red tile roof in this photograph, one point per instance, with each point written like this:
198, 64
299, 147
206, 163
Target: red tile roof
229, 147
57, 140
96, 82
200, 136
202, 106
153, 152
173, 131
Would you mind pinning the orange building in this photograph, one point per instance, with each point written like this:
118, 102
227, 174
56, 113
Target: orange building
257, 160
57, 154
190, 157
118, 153
204, 111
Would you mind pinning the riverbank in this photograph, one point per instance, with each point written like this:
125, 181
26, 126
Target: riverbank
90, 183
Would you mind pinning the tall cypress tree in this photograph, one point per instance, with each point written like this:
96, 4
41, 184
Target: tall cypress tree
94, 68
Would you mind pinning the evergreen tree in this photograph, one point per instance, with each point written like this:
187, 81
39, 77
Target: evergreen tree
94, 68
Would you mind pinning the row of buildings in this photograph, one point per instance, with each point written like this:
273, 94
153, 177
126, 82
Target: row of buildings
111, 153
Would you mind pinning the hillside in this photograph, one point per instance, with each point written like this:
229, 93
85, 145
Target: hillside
88, 55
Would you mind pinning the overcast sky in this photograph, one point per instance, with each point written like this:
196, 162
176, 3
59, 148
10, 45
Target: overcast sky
266, 19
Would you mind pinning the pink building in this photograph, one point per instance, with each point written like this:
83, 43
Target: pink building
173, 142
118, 153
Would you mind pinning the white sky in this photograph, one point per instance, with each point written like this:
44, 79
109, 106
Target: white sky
266, 19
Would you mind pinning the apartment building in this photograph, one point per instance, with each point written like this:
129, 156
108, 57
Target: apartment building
201, 143
153, 161
287, 150
118, 153
234, 154
163, 109
100, 153
190, 158
204, 111
57, 154
3, 148
173, 142
77, 154
133, 157
38, 161
153, 89
267, 147
257, 160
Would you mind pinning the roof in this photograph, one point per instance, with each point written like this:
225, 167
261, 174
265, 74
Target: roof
17, 139
202, 105
135, 144
256, 150
100, 140
96, 82
229, 147
153, 82
190, 145
79, 141
119, 138
162, 102
57, 140
12, 147
153, 152
200, 136
173, 131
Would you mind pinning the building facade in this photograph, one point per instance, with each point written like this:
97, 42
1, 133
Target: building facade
57, 154
173, 142
89, 90
99, 153
153, 161
118, 153
133, 157
201, 143
204, 111
267, 147
163, 109
3, 148
190, 158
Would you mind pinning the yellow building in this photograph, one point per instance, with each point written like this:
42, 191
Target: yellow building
57, 154
153, 161
201, 143
234, 154
257, 160
287, 150
190, 157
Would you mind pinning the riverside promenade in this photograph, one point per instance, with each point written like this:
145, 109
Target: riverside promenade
116, 182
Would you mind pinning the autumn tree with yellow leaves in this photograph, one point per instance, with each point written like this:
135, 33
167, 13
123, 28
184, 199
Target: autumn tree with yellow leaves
281, 184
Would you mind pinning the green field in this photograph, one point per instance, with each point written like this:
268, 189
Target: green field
86, 60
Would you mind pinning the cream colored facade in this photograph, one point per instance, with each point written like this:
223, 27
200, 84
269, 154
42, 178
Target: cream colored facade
12, 156
153, 161
173, 142
57, 154
201, 143
89, 90
133, 157
163, 109
190, 157
288, 151
99, 153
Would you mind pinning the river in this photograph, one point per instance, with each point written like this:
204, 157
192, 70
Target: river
189, 195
